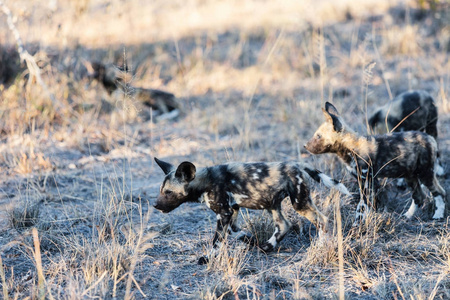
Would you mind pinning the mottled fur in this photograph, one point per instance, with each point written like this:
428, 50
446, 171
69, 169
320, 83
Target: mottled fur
110, 77
226, 188
410, 155
411, 110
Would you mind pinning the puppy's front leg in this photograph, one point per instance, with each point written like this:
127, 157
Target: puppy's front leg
367, 192
223, 220
235, 232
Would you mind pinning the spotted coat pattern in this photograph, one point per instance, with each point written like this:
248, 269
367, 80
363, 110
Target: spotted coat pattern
228, 187
411, 110
410, 155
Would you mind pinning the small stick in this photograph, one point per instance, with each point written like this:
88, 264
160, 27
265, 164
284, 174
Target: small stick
32, 66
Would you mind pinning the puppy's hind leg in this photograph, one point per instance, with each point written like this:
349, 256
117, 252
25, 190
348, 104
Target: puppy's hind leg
417, 197
432, 183
305, 207
282, 226
313, 214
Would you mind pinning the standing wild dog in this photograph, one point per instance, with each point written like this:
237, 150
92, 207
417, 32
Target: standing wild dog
226, 188
411, 110
410, 155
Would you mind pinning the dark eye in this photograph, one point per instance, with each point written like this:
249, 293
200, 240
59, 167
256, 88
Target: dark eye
168, 192
318, 136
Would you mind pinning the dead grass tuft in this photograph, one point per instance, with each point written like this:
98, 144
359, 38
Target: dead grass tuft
402, 40
260, 226
25, 216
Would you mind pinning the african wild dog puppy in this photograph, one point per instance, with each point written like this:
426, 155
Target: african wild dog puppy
107, 75
411, 110
111, 78
410, 155
226, 188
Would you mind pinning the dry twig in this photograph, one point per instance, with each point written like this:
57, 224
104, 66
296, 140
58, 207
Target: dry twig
32, 66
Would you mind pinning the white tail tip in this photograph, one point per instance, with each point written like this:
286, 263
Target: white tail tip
334, 184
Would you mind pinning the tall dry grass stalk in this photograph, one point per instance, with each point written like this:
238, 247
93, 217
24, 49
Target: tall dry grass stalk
232, 261
32, 66
381, 62
340, 240
366, 80
3, 277
443, 96
40, 271
249, 114
143, 243
320, 58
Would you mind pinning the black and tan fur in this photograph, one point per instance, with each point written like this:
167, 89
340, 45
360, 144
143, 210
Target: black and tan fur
111, 79
226, 188
410, 155
409, 111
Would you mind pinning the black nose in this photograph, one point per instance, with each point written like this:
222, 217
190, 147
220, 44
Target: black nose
160, 208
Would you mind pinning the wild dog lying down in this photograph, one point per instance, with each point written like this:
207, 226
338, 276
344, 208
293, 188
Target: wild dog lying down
112, 79
226, 188
411, 110
410, 155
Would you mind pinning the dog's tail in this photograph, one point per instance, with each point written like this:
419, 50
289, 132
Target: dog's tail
328, 181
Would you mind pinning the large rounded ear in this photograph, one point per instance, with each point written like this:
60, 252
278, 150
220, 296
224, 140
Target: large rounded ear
327, 116
166, 167
332, 116
186, 171
331, 109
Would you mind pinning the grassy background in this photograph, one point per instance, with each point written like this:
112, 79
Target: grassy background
77, 178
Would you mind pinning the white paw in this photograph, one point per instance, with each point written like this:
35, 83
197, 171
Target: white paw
401, 182
356, 223
168, 116
411, 211
242, 235
440, 207
438, 169
361, 211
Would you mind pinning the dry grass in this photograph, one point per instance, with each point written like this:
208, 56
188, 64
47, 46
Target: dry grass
77, 177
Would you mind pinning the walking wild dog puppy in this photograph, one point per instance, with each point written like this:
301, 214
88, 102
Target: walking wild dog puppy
411, 110
410, 155
226, 188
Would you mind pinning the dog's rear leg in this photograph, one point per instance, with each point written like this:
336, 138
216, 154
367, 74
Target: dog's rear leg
417, 196
432, 183
305, 207
282, 226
